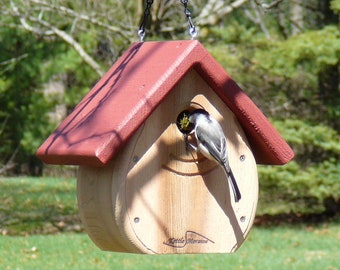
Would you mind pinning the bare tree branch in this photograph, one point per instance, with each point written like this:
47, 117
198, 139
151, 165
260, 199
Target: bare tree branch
269, 5
61, 34
257, 19
215, 10
79, 49
26, 25
13, 60
70, 12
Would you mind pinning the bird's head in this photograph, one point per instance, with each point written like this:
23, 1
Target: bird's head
197, 113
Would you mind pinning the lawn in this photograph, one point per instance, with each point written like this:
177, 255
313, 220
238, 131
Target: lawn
37, 205
29, 205
274, 248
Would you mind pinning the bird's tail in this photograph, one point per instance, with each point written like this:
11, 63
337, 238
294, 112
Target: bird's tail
234, 186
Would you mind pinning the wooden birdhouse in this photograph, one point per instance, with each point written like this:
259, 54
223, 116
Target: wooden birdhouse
139, 189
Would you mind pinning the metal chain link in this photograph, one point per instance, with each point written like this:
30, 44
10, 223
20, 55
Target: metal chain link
141, 30
192, 29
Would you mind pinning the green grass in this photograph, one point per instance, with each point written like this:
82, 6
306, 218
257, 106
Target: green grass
275, 248
33, 205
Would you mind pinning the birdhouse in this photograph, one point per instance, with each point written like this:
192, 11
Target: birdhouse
140, 189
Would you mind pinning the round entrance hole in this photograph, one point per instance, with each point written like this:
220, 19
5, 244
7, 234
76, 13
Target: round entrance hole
182, 121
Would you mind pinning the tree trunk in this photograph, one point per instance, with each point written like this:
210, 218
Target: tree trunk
296, 17
329, 78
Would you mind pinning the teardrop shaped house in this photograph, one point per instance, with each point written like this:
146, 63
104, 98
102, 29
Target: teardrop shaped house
140, 189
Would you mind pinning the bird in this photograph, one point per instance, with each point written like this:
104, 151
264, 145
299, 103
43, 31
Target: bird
212, 143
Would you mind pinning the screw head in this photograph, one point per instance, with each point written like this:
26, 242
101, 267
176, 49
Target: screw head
136, 219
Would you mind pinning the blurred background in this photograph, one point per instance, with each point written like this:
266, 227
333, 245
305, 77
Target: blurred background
284, 54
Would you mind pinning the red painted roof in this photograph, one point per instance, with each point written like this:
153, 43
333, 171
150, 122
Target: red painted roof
128, 93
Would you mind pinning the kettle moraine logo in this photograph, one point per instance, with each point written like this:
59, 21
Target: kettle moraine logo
190, 238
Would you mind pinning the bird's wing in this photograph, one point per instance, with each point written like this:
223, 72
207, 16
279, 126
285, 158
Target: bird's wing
213, 133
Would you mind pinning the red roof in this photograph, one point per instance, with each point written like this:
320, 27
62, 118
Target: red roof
129, 92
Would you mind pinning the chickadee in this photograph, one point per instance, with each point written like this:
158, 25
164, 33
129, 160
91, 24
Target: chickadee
212, 143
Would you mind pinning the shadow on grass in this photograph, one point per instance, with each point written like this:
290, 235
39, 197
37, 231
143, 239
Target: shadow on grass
293, 219
49, 206
38, 205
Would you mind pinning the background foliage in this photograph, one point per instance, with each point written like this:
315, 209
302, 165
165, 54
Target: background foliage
284, 54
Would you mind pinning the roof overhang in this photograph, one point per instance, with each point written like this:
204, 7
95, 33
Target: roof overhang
134, 86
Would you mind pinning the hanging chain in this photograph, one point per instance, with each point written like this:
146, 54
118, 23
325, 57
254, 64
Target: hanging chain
141, 30
192, 29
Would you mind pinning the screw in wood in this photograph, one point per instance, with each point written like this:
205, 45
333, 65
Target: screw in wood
136, 219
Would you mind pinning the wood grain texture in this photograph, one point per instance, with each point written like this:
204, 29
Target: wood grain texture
156, 198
